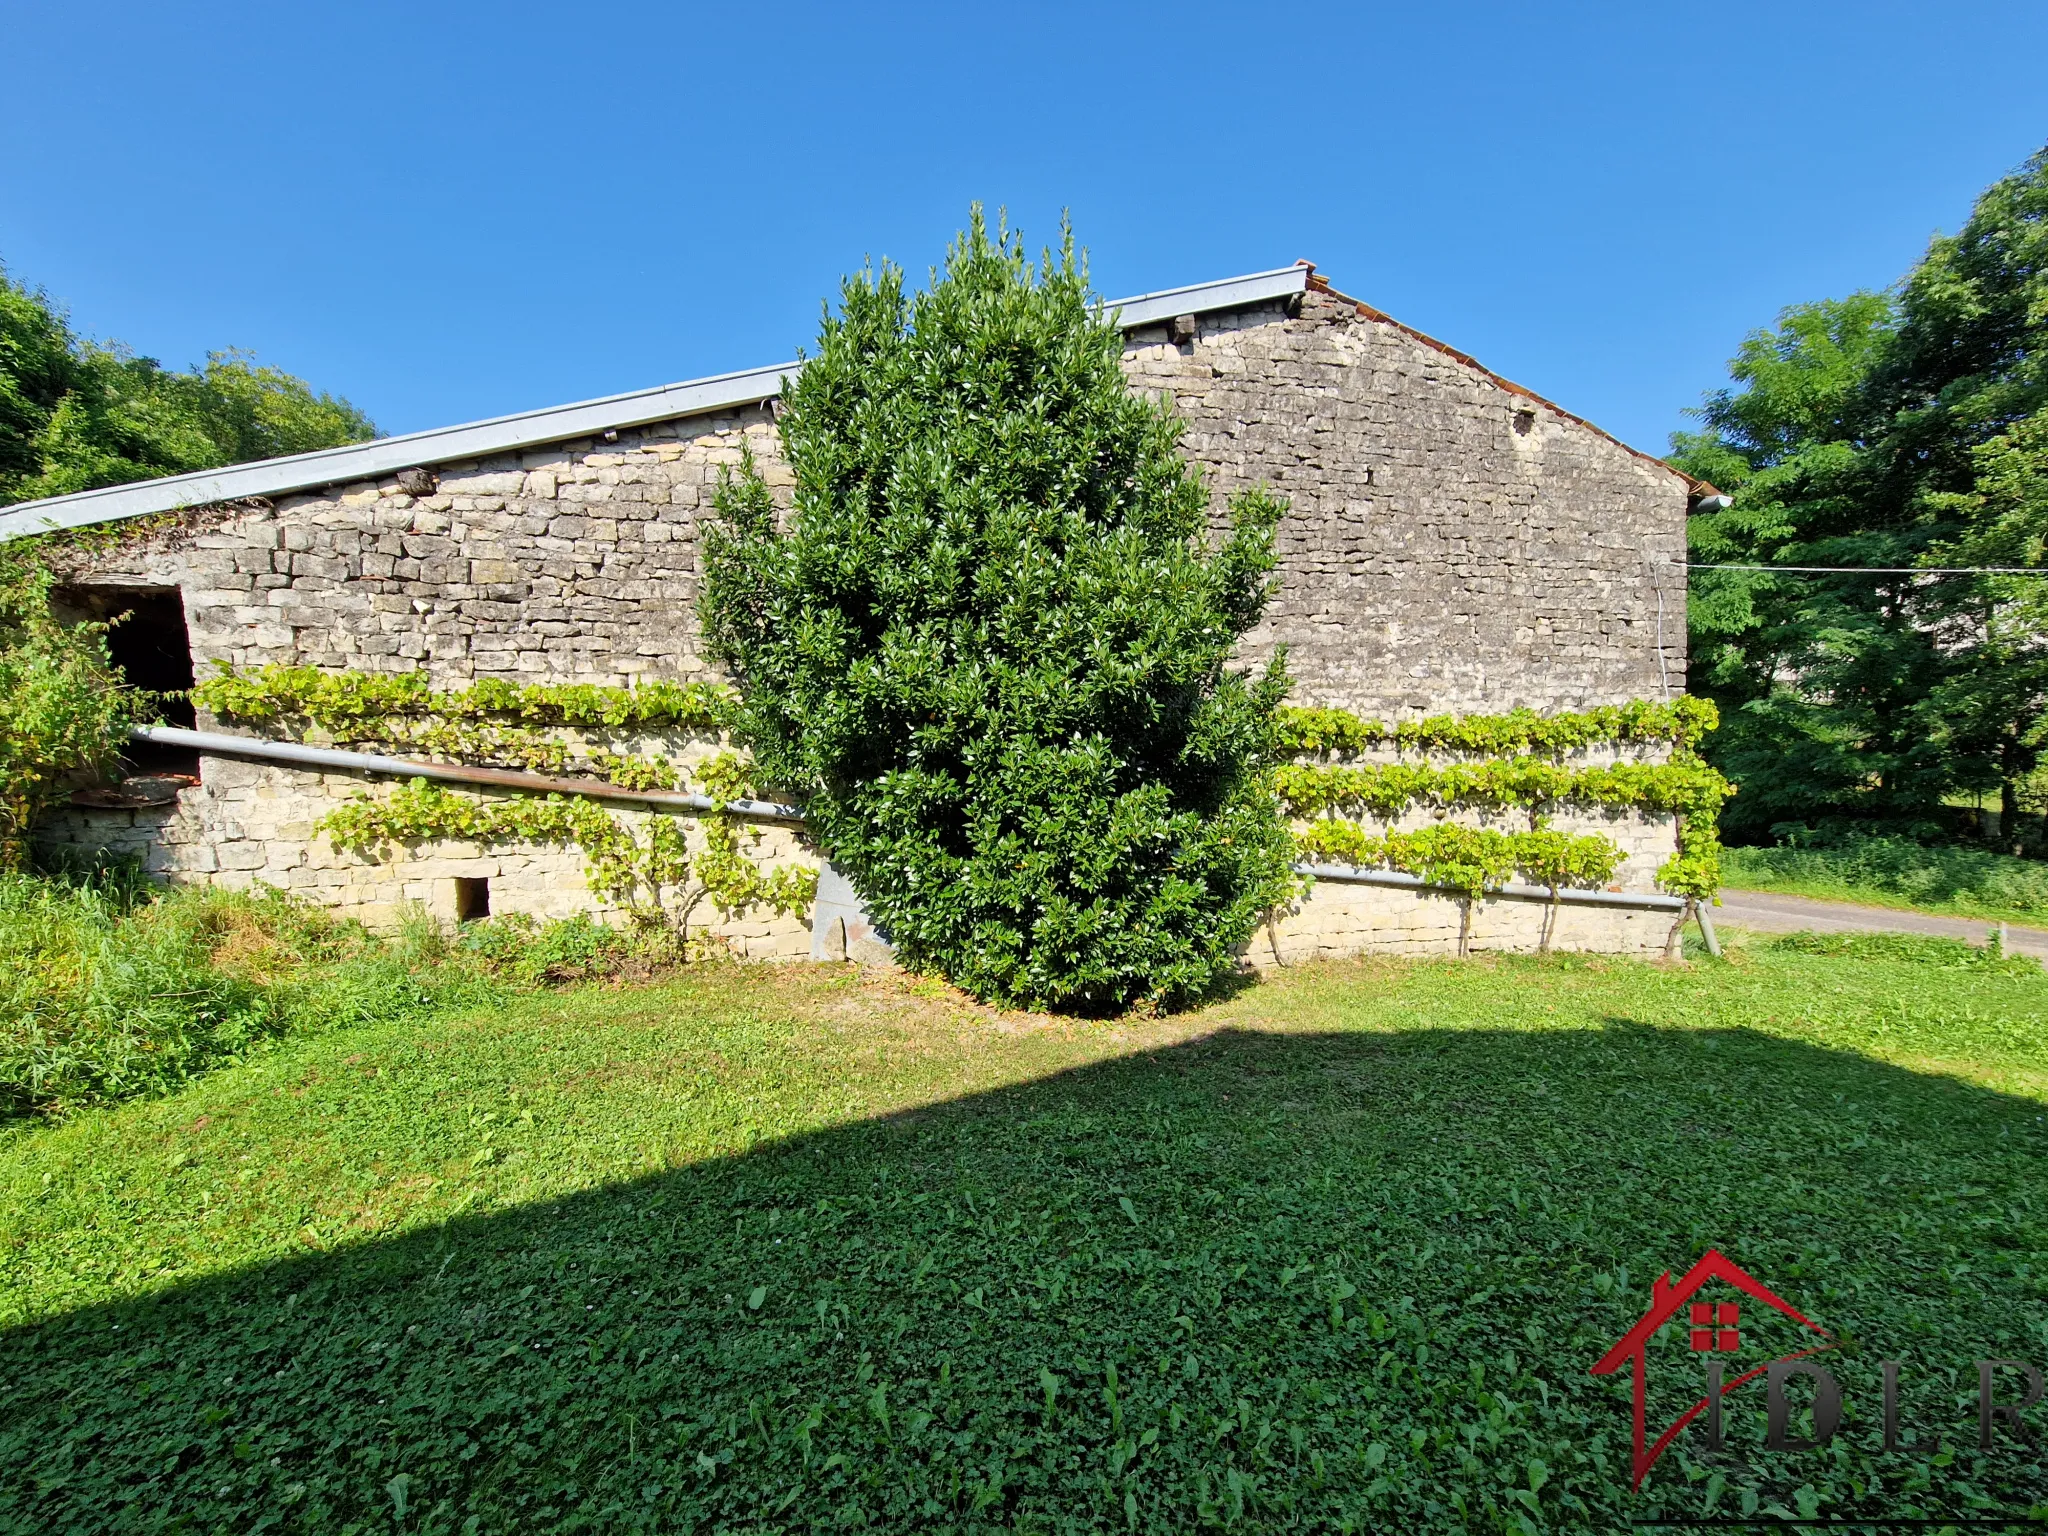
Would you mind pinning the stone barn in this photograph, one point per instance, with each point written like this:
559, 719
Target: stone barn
1453, 544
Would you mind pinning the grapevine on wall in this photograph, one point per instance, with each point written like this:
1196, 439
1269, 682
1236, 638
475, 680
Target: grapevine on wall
490, 721
652, 874
1517, 761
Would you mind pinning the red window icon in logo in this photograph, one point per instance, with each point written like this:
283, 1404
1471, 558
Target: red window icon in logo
1706, 1339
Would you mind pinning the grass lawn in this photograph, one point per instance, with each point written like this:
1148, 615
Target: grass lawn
1893, 872
765, 1250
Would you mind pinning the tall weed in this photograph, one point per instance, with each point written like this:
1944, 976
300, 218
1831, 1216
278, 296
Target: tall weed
108, 991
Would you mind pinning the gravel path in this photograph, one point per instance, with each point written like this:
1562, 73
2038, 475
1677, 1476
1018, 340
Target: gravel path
1776, 913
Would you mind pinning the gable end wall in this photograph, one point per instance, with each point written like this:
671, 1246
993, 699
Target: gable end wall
1434, 558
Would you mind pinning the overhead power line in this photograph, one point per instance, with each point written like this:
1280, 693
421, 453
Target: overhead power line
1884, 570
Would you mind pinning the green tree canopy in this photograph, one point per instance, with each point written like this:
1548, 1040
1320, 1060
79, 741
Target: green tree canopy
1883, 430
76, 413
989, 646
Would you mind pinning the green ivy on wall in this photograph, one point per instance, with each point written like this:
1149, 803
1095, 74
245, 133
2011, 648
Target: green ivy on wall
490, 721
1335, 732
1516, 760
1684, 786
650, 875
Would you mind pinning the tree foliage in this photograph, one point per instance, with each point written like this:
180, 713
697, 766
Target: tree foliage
989, 648
1910, 430
63, 707
76, 413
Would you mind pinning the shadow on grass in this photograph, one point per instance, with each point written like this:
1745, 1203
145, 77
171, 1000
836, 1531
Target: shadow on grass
1345, 1281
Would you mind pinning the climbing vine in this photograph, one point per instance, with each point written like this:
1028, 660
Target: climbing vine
491, 721
339, 701
1684, 786
1520, 765
648, 875
1335, 732
1517, 760
652, 874
1472, 860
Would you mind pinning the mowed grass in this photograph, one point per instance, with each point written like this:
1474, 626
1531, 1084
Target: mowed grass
811, 1249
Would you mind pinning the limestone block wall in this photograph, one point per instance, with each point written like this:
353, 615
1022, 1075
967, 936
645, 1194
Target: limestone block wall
1339, 921
575, 562
1452, 543
248, 824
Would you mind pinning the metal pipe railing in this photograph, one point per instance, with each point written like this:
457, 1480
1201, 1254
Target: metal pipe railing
298, 755
1647, 900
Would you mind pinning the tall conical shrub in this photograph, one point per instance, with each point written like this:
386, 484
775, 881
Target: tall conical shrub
988, 645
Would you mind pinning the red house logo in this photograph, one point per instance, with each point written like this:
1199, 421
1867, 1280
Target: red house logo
1715, 1328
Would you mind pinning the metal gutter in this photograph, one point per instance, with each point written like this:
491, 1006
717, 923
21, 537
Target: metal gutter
327, 759
1205, 298
528, 429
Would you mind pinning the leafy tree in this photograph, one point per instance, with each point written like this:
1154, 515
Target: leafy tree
989, 648
75, 414
1991, 705
1860, 433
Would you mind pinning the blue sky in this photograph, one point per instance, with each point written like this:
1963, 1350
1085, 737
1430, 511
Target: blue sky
448, 211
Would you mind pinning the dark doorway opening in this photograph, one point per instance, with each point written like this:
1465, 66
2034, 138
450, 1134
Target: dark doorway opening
152, 649
472, 898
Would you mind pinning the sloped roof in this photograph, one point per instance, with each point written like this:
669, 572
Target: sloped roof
587, 418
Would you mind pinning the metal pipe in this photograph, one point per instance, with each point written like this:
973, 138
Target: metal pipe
1707, 930
1347, 874
297, 755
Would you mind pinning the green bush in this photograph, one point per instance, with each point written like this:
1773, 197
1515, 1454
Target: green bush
63, 707
578, 948
108, 991
1967, 881
989, 649
112, 988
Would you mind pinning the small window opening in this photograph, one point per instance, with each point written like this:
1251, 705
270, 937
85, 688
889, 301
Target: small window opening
1525, 422
472, 898
151, 648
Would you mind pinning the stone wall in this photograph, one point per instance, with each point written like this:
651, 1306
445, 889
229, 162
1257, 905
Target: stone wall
1339, 920
251, 823
1452, 545
571, 562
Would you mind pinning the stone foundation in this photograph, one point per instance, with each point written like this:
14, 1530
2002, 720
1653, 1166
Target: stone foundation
1338, 921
